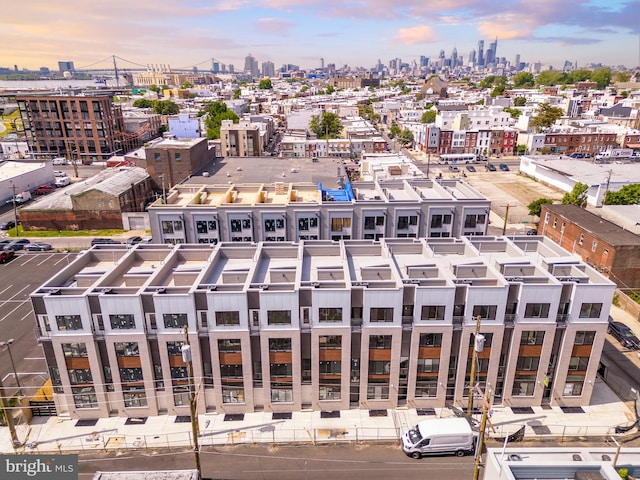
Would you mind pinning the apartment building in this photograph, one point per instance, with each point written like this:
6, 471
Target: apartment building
323, 325
278, 212
87, 128
242, 139
588, 142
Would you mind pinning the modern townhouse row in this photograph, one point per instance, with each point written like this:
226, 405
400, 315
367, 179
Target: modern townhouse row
321, 325
278, 212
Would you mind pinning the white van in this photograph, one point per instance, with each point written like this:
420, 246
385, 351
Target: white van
62, 181
441, 435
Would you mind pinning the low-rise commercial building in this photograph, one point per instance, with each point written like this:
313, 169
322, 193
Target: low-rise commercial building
321, 325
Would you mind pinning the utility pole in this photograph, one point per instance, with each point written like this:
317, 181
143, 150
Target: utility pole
115, 68
15, 210
193, 401
506, 219
8, 417
483, 427
478, 344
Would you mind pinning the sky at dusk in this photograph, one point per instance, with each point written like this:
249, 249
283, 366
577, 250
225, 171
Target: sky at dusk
189, 33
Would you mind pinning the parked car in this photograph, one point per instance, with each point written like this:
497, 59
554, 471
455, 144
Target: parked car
532, 231
471, 168
577, 155
43, 189
104, 241
6, 255
38, 247
491, 167
504, 167
623, 334
134, 240
17, 244
8, 225
59, 161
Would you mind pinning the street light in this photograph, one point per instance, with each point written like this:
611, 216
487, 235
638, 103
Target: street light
13, 365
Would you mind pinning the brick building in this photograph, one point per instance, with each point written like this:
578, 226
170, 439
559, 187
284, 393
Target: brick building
89, 128
610, 249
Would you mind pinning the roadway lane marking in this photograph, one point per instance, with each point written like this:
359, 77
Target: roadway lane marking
46, 259
19, 292
31, 258
62, 260
27, 315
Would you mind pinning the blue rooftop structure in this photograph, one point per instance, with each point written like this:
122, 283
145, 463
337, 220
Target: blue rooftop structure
337, 195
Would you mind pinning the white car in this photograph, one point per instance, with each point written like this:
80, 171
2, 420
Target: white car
59, 161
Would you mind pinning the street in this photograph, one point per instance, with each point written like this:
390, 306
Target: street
249, 462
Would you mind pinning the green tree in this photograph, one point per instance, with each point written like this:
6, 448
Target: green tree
536, 206
602, 76
265, 84
627, 195
236, 93
622, 77
143, 103
186, 85
546, 116
405, 137
515, 113
304, 88
521, 149
154, 88
497, 90
165, 107
216, 112
326, 125
577, 196
330, 90
429, 116
519, 102
523, 80
394, 130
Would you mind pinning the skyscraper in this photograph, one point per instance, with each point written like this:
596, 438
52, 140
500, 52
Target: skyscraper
454, 57
481, 52
268, 69
493, 46
251, 66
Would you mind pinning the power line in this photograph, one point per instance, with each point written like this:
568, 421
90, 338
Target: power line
129, 61
96, 63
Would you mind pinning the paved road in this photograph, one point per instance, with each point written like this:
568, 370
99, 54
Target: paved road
258, 462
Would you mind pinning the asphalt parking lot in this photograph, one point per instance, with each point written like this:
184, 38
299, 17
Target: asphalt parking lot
20, 277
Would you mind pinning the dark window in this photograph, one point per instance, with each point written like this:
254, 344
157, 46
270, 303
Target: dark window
430, 340
584, 337
378, 314
330, 341
590, 310
428, 365
330, 314
279, 344
380, 341
126, 349
279, 317
432, 312
74, 350
536, 310
69, 322
229, 345
487, 312
174, 348
228, 318
175, 320
533, 337
122, 321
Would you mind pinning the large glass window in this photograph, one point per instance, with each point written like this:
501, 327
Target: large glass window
175, 320
228, 318
279, 317
229, 345
69, 322
84, 397
536, 310
174, 348
122, 321
533, 337
428, 365
432, 312
585, 337
379, 314
330, 341
74, 350
79, 376
590, 310
330, 314
126, 349
380, 341
430, 340
486, 312
573, 386
279, 344
131, 375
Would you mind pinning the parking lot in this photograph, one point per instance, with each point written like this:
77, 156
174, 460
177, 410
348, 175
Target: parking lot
20, 277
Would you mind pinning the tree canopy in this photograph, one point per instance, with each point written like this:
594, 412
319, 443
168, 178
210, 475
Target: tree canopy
429, 116
519, 102
216, 112
405, 137
536, 206
394, 129
143, 103
546, 116
627, 195
523, 80
602, 76
515, 113
165, 107
577, 196
265, 84
326, 125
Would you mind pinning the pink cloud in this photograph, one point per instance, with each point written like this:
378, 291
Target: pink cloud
415, 35
274, 25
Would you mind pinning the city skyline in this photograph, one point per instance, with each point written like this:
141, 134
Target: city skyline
302, 32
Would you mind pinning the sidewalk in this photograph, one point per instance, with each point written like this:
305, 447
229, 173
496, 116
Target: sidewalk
64, 435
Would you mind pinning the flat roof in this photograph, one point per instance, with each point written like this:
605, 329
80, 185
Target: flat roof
589, 172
